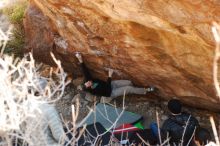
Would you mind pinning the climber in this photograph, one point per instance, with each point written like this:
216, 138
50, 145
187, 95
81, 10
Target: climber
109, 88
173, 127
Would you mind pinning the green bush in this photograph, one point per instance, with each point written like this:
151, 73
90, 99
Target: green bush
15, 14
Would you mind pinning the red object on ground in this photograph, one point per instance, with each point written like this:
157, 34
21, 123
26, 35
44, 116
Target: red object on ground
125, 128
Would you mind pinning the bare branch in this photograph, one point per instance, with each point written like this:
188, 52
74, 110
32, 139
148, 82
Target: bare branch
216, 33
214, 131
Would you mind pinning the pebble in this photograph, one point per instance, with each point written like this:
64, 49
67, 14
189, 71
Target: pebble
77, 82
77, 96
198, 118
67, 111
89, 97
165, 103
164, 117
80, 105
85, 103
68, 96
146, 103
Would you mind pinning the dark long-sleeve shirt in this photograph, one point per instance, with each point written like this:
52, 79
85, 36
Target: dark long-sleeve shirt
99, 87
174, 126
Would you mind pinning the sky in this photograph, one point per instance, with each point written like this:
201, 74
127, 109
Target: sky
3, 3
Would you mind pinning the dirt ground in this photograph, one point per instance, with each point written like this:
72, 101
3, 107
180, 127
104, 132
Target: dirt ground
143, 105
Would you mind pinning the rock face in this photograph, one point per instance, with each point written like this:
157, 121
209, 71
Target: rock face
165, 43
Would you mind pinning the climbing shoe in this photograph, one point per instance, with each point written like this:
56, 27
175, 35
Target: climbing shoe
150, 89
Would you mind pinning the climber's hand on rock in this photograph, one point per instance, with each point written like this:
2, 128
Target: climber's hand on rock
110, 72
79, 57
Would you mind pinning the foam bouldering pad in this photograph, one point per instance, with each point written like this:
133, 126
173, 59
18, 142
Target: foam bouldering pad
94, 134
108, 116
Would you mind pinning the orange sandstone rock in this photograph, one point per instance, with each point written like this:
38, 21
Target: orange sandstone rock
166, 43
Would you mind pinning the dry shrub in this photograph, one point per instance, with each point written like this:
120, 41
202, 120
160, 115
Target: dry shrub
20, 84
